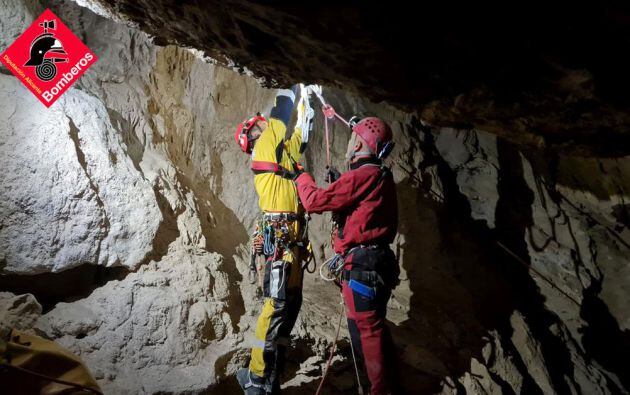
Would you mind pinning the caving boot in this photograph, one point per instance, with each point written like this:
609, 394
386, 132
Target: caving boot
251, 383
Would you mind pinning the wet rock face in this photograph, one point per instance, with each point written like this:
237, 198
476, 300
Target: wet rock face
136, 206
546, 75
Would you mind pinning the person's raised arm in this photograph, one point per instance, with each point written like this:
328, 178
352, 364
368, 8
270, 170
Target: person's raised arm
271, 141
283, 106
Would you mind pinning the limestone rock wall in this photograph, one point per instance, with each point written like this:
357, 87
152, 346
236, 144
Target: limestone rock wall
131, 186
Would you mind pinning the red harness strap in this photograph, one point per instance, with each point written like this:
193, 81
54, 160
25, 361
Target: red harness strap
260, 167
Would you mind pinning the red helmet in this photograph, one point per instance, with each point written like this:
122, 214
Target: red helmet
242, 133
377, 134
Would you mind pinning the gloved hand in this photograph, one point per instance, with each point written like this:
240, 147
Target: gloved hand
332, 175
299, 169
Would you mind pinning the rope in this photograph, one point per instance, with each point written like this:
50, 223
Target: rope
528, 266
332, 350
539, 274
614, 233
329, 114
307, 267
354, 358
48, 378
327, 138
325, 265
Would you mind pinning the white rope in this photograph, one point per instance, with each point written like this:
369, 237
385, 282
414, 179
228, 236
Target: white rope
305, 121
317, 90
322, 275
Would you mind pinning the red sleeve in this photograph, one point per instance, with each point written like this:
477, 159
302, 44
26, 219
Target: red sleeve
339, 195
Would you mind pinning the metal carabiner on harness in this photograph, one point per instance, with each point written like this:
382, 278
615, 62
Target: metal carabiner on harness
334, 266
269, 245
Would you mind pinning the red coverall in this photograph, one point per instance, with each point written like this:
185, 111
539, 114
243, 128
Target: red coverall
365, 200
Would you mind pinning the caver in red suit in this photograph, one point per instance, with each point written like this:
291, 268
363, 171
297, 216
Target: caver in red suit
364, 202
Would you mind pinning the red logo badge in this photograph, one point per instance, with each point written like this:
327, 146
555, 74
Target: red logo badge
48, 58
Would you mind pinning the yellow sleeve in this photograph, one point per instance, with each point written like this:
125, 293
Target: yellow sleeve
269, 146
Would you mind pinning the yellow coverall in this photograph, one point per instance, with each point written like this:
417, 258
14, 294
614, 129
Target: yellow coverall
283, 272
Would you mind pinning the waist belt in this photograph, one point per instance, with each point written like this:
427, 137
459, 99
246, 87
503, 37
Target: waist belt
371, 278
289, 217
368, 246
260, 167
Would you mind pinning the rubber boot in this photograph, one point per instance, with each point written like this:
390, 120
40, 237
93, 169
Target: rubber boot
250, 383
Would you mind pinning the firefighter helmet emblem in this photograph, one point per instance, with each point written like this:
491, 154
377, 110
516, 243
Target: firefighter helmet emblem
46, 51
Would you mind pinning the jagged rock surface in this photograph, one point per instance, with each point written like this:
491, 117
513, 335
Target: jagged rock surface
547, 75
467, 317
19, 311
162, 327
85, 204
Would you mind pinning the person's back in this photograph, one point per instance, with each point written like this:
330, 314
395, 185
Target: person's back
365, 203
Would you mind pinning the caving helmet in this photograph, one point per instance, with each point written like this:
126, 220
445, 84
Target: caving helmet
242, 136
376, 133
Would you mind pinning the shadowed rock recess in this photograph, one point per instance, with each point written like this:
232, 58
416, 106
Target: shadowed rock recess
125, 208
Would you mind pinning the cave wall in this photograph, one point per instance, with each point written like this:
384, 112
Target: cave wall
133, 180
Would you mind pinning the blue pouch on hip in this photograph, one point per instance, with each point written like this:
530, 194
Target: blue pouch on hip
362, 289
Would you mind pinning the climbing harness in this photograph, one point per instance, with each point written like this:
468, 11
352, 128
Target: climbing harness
261, 167
274, 235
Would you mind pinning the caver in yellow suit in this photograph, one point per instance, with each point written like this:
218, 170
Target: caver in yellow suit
281, 232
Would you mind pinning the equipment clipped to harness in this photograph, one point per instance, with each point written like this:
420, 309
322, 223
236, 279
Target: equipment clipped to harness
334, 267
269, 245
